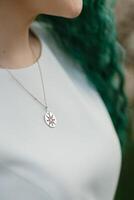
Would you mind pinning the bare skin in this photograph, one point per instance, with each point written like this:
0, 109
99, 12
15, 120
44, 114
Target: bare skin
16, 17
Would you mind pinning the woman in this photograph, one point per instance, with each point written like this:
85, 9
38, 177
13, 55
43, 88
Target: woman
67, 147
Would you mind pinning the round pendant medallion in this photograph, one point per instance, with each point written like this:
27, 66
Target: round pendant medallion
50, 119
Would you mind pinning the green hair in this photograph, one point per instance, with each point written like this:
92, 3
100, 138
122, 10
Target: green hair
91, 38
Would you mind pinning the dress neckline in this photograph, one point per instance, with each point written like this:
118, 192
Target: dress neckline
35, 30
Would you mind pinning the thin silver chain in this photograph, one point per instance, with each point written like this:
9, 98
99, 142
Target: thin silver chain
45, 101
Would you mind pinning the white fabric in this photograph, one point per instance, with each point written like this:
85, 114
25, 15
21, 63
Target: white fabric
79, 159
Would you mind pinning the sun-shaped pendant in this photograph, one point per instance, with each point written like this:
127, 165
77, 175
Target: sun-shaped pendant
50, 119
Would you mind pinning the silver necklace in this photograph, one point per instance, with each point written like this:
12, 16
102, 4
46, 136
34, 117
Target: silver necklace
49, 117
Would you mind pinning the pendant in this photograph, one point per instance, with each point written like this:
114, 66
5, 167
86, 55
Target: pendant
50, 119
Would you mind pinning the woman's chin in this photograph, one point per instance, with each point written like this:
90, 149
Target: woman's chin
75, 9
70, 9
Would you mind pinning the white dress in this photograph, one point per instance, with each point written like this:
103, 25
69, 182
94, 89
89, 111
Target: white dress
79, 159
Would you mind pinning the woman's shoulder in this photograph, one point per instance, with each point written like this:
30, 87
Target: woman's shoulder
74, 72
72, 68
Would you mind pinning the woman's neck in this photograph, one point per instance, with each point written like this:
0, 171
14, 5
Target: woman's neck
15, 38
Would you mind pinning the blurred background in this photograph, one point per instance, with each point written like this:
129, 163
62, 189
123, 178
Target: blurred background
125, 27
